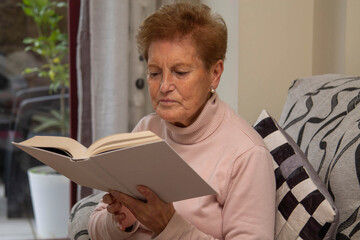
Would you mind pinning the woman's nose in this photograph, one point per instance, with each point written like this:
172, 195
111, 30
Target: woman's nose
167, 83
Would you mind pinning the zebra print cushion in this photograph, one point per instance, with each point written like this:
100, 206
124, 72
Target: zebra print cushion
79, 216
323, 116
305, 209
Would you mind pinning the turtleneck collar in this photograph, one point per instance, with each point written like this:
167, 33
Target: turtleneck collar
206, 123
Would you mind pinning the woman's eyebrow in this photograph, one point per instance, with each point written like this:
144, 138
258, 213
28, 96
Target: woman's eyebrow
181, 65
152, 65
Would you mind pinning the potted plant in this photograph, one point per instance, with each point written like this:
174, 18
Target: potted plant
52, 45
50, 191
50, 195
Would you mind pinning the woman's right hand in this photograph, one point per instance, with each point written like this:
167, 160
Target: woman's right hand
122, 216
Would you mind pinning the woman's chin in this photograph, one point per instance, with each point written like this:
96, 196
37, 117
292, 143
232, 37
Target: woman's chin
171, 118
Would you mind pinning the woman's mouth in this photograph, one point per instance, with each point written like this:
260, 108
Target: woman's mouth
166, 101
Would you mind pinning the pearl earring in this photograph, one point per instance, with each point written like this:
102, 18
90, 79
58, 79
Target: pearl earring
212, 90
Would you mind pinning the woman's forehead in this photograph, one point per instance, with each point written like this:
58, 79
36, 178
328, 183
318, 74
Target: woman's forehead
170, 48
182, 50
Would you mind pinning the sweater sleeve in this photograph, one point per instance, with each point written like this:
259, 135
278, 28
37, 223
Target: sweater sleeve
102, 225
179, 228
249, 207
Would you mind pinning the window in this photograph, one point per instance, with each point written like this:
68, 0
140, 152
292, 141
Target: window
24, 101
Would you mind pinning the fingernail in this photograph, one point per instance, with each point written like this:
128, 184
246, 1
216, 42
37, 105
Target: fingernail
119, 225
141, 189
107, 199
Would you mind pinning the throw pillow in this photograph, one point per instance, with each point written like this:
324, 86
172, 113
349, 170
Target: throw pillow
305, 209
322, 114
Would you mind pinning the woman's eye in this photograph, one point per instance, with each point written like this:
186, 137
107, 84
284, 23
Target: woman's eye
181, 73
154, 75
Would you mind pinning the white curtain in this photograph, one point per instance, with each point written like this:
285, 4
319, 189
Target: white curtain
111, 74
112, 93
109, 34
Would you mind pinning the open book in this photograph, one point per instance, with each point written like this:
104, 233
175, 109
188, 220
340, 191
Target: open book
121, 162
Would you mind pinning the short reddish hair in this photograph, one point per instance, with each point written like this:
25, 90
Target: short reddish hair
207, 30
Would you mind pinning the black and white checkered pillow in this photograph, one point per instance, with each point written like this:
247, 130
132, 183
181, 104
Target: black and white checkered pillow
305, 209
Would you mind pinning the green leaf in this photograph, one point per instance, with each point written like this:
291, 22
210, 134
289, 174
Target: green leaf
41, 3
54, 86
39, 51
56, 114
27, 2
46, 122
52, 75
28, 48
47, 125
43, 74
28, 11
42, 118
31, 70
59, 18
50, 13
54, 35
29, 40
61, 4
63, 37
37, 43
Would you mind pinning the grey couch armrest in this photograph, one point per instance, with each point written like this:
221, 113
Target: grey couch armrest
79, 216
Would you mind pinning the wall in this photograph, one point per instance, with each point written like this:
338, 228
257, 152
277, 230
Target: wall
329, 36
275, 48
228, 87
352, 41
336, 37
281, 40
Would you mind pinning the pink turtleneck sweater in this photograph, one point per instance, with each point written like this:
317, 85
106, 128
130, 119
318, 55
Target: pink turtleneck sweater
226, 152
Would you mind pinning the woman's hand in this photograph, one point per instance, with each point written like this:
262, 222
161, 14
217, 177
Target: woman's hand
155, 214
123, 217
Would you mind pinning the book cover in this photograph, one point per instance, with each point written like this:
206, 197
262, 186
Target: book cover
153, 164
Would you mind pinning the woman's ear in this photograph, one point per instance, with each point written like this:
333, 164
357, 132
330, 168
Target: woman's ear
216, 71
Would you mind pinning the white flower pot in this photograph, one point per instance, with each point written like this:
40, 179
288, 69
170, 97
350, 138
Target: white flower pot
50, 195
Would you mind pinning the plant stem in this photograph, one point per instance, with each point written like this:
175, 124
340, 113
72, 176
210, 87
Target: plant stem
62, 109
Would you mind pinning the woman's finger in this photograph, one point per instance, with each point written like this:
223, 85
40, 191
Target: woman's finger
149, 195
154, 213
131, 203
123, 220
120, 217
114, 208
108, 199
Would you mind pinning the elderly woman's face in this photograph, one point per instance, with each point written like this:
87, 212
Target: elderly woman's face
179, 84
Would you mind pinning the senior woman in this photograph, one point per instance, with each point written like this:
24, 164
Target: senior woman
184, 45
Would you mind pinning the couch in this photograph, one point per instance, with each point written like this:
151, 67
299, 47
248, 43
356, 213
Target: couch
322, 115
319, 171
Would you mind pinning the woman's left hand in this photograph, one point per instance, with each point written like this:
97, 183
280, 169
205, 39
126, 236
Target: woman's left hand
155, 214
